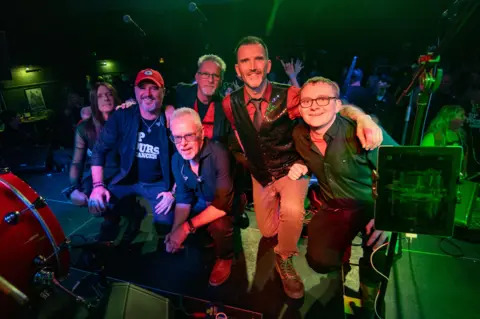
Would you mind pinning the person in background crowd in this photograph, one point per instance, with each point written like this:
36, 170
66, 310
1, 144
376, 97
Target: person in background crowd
204, 193
357, 94
327, 144
261, 114
446, 129
85, 113
292, 70
144, 154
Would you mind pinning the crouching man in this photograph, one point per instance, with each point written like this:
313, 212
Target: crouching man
204, 193
327, 143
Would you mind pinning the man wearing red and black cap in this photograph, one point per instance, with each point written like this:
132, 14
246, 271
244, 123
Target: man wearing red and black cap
141, 137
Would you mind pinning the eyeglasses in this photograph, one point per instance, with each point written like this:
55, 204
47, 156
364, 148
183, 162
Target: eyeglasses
192, 137
206, 76
320, 101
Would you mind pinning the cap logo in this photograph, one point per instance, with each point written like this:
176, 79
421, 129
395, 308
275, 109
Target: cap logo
148, 72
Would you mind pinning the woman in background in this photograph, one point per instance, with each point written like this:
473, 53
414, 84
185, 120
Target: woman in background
103, 99
446, 129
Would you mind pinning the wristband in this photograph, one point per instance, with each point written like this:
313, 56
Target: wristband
98, 184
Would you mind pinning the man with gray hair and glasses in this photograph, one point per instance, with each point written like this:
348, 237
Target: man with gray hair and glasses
204, 194
205, 97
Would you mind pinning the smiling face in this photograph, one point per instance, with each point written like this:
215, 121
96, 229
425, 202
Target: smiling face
252, 65
189, 136
319, 104
209, 78
149, 96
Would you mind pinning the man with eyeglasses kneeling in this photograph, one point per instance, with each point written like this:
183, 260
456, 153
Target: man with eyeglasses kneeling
328, 145
204, 192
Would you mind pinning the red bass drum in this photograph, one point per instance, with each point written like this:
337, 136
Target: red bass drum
29, 232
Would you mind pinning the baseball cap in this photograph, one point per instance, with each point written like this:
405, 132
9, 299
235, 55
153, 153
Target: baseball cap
152, 75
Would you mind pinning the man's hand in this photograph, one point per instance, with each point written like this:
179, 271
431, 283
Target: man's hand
297, 171
165, 204
98, 201
377, 237
127, 104
79, 198
369, 133
175, 239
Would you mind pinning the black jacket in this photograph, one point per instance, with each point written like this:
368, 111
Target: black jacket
186, 95
121, 131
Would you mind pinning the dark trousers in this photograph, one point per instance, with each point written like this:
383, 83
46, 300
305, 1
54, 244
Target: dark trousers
220, 231
330, 235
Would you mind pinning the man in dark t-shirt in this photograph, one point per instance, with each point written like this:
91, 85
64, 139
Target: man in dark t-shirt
141, 137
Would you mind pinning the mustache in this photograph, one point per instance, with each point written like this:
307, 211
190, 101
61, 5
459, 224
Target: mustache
254, 72
148, 97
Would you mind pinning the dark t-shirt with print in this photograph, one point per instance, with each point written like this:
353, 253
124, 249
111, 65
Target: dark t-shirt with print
146, 167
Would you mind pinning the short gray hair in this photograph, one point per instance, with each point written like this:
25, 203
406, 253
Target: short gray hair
214, 58
186, 111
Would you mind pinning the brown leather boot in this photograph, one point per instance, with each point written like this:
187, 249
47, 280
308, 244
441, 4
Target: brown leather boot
221, 272
292, 283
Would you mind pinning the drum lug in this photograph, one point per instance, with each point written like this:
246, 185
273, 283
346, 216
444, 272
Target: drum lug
40, 261
4, 170
43, 278
12, 218
40, 202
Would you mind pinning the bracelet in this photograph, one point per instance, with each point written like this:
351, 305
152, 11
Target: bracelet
98, 184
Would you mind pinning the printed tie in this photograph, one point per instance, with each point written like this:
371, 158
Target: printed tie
257, 116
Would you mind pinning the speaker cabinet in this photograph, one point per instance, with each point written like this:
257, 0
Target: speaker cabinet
466, 211
128, 301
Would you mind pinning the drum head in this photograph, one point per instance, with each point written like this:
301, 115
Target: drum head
37, 232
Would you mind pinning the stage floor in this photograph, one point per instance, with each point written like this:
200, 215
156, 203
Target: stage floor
425, 283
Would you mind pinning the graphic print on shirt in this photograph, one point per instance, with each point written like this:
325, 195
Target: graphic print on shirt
473, 118
146, 151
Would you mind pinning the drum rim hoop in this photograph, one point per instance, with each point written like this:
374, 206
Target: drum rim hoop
40, 219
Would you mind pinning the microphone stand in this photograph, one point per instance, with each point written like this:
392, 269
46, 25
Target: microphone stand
428, 77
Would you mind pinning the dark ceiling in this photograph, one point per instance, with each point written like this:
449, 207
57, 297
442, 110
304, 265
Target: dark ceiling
69, 29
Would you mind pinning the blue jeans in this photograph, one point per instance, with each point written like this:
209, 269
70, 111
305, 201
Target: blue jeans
148, 192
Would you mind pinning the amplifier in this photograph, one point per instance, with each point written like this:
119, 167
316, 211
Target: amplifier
127, 301
467, 211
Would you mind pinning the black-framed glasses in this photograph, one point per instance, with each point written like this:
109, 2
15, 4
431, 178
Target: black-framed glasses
320, 101
192, 137
206, 76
